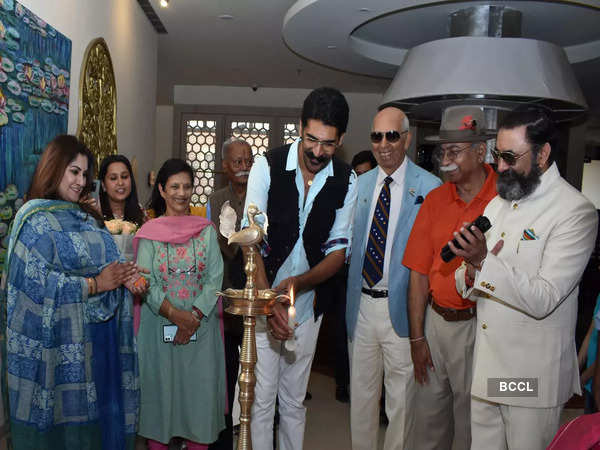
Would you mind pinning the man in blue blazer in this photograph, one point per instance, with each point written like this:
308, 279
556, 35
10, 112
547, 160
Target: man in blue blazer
389, 198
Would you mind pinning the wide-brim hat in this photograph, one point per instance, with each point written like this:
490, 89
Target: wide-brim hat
465, 123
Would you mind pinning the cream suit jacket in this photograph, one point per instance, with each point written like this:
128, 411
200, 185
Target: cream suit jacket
527, 294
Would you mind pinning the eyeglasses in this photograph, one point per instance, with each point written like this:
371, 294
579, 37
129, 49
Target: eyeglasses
451, 152
327, 145
390, 136
191, 269
239, 163
508, 156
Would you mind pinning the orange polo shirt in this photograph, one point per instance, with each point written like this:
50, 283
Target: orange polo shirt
442, 213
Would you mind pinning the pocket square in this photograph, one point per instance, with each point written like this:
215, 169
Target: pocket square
419, 200
529, 235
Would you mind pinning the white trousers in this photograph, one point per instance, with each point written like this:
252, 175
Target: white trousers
284, 375
500, 427
375, 352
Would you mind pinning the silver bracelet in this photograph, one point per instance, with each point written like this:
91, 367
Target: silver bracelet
196, 315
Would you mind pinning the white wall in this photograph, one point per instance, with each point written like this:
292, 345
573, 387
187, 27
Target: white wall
363, 107
133, 46
590, 185
164, 135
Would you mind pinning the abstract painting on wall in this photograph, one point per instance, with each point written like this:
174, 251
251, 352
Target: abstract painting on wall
35, 64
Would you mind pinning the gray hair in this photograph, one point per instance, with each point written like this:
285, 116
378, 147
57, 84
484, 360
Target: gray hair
229, 142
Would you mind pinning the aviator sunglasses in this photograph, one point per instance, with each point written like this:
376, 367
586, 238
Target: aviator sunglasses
509, 156
390, 136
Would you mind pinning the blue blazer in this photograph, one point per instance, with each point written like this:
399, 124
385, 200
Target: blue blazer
417, 184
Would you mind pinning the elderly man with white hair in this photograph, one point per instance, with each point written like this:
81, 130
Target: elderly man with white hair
237, 161
389, 198
442, 323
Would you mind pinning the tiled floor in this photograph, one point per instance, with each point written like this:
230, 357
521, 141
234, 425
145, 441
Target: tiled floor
328, 421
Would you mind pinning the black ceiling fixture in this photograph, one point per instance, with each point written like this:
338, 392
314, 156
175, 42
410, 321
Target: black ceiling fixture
152, 16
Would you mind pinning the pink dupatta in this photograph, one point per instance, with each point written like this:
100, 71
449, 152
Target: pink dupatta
172, 230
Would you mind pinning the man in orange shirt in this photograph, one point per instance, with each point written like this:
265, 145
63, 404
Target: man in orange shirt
442, 333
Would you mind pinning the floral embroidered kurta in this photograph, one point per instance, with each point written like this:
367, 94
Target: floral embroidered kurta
182, 386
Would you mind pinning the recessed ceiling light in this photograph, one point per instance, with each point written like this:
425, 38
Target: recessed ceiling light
364, 10
164, 3
225, 16
332, 47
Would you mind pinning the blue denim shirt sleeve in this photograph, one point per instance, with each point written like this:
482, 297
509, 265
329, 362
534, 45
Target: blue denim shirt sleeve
340, 234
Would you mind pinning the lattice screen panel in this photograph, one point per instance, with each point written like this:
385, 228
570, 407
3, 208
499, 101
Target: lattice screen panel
254, 133
201, 139
290, 132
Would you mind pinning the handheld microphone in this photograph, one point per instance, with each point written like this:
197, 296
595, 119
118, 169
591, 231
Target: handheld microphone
482, 223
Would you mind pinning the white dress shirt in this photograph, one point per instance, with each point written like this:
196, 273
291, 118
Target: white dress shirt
396, 193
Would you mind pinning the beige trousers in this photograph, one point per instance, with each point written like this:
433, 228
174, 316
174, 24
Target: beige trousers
442, 406
504, 427
375, 352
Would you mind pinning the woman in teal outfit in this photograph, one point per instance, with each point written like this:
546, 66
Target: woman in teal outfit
182, 377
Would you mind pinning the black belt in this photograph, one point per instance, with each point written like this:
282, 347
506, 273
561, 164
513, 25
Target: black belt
375, 293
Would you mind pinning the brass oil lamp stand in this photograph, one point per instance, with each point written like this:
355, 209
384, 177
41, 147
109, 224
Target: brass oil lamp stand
250, 303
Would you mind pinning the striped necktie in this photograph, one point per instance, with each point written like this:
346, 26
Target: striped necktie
373, 265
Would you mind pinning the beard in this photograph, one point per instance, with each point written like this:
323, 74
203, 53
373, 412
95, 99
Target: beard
514, 186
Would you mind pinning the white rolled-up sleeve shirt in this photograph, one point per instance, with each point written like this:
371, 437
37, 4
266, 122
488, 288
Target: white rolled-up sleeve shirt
340, 234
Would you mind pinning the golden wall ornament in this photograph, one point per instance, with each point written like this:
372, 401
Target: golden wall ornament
97, 125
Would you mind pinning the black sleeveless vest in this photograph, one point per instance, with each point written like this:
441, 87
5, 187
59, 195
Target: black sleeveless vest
284, 222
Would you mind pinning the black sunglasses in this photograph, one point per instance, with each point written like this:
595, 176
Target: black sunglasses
509, 156
390, 136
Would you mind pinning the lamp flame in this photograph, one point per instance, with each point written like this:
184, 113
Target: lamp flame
292, 295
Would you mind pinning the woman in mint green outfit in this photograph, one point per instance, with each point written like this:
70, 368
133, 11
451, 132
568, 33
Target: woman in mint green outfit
182, 381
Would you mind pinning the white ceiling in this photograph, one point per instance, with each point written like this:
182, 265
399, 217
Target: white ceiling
201, 49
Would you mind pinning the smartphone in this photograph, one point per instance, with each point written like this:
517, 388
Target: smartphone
169, 332
95, 194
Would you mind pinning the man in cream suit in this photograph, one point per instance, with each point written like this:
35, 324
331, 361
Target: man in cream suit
389, 198
524, 274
